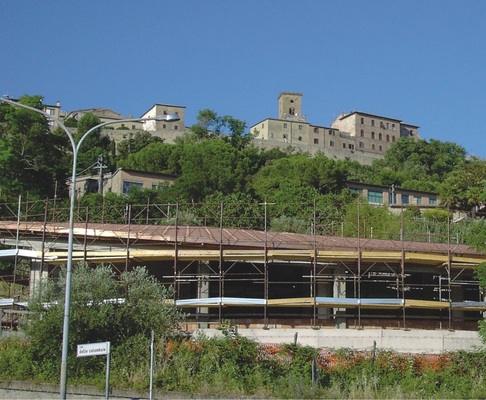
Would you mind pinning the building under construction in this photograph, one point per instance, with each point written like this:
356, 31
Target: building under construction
258, 277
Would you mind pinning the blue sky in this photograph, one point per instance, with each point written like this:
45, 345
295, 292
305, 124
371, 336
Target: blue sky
421, 61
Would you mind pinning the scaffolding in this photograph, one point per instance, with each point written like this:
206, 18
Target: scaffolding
227, 264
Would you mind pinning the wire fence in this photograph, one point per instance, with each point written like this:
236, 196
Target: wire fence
355, 219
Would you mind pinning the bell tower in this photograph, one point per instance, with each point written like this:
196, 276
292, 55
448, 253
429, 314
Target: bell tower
289, 105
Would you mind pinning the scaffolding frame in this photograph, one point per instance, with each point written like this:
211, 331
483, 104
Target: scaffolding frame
224, 250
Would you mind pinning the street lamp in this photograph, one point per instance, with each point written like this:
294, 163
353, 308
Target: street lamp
69, 263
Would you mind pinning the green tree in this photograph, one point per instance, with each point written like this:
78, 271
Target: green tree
476, 237
206, 167
94, 145
373, 222
319, 173
237, 210
210, 125
27, 150
465, 187
411, 164
154, 158
104, 307
423, 160
133, 144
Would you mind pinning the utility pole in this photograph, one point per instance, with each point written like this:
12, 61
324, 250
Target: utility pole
100, 164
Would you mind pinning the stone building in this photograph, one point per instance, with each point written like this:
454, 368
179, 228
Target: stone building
394, 197
106, 115
164, 129
357, 135
120, 182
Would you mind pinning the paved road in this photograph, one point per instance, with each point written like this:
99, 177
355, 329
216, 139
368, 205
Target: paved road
15, 394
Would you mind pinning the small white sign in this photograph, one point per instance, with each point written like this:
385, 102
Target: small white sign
93, 349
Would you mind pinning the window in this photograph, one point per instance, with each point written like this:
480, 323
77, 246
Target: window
393, 127
375, 197
344, 145
164, 126
433, 201
372, 147
285, 125
372, 135
372, 122
351, 146
387, 125
331, 143
419, 200
361, 145
271, 135
176, 127
387, 138
300, 127
380, 136
316, 141
362, 133
316, 130
380, 148
128, 184
362, 121
393, 138
299, 138
405, 199
263, 125
285, 137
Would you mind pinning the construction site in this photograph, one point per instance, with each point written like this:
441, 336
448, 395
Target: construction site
223, 271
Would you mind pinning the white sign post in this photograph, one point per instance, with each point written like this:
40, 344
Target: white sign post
98, 349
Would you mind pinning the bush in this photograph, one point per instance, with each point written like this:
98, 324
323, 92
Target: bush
104, 307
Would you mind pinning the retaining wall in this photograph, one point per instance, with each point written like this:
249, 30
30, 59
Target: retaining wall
403, 341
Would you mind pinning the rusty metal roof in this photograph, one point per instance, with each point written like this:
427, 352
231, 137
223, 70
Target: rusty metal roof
227, 238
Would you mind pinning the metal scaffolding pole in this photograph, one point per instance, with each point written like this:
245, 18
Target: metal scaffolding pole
265, 262
220, 277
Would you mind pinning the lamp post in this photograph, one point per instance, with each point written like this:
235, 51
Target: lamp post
69, 263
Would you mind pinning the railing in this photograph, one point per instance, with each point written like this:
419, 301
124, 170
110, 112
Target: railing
324, 218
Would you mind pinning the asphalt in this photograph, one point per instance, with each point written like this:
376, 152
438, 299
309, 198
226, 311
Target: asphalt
17, 394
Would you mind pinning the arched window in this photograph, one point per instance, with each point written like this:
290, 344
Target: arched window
380, 136
372, 135
387, 138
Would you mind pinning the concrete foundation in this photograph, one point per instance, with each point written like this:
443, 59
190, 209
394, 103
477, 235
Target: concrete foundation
403, 341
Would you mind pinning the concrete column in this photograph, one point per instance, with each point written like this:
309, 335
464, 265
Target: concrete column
203, 293
324, 289
339, 292
457, 295
37, 275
